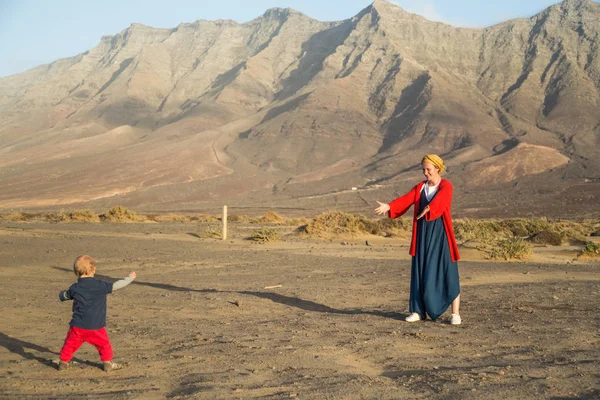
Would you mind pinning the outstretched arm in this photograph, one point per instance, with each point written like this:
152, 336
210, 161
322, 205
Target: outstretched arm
399, 206
120, 284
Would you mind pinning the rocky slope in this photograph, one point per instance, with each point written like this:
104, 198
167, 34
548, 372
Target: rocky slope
287, 111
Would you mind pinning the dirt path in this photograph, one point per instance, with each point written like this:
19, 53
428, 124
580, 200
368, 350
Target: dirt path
332, 330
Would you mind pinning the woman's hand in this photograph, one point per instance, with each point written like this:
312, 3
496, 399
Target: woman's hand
425, 211
382, 209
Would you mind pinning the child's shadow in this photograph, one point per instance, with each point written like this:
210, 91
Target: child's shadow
18, 346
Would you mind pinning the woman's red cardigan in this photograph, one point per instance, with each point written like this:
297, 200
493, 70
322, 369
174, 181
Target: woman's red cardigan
438, 207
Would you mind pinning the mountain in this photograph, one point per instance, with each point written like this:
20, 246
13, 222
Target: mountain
287, 112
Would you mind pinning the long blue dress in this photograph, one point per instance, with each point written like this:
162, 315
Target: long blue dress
434, 276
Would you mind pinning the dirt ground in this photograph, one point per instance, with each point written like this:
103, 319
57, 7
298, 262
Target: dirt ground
201, 322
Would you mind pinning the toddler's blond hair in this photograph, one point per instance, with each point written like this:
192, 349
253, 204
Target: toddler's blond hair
84, 265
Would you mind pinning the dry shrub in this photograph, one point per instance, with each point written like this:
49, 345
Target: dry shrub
238, 218
486, 231
212, 233
13, 216
84, 216
121, 214
387, 227
203, 218
511, 248
573, 232
169, 218
297, 221
526, 227
340, 224
569, 231
31, 216
335, 223
595, 233
181, 218
61, 216
591, 250
264, 235
547, 237
21, 216
272, 217
538, 230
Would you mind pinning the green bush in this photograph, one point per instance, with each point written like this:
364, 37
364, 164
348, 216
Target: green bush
591, 249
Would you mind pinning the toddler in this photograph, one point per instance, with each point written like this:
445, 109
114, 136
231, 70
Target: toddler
89, 313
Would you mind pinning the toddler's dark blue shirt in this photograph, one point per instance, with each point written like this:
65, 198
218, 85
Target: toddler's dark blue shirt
89, 303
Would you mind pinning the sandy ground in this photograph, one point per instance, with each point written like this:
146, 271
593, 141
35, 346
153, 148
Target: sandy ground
199, 321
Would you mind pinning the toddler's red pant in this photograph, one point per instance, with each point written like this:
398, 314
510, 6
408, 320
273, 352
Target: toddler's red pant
77, 336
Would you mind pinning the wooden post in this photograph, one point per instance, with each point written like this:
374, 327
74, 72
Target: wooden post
224, 233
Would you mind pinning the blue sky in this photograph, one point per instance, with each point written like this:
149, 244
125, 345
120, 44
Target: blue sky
34, 32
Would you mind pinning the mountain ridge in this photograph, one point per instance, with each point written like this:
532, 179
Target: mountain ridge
285, 106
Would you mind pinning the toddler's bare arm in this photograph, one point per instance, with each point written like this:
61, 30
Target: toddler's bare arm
120, 284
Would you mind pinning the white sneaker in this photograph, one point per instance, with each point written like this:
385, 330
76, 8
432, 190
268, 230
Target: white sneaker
414, 317
455, 319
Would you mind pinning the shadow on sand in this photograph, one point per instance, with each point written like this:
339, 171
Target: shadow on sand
19, 347
289, 301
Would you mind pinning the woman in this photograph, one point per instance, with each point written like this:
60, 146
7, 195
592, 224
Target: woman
434, 281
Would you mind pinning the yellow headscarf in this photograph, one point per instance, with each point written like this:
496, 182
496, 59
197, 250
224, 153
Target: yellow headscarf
435, 160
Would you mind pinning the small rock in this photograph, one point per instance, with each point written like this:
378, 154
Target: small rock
367, 243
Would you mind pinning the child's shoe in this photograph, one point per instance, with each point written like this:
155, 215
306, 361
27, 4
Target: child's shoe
111, 366
63, 365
